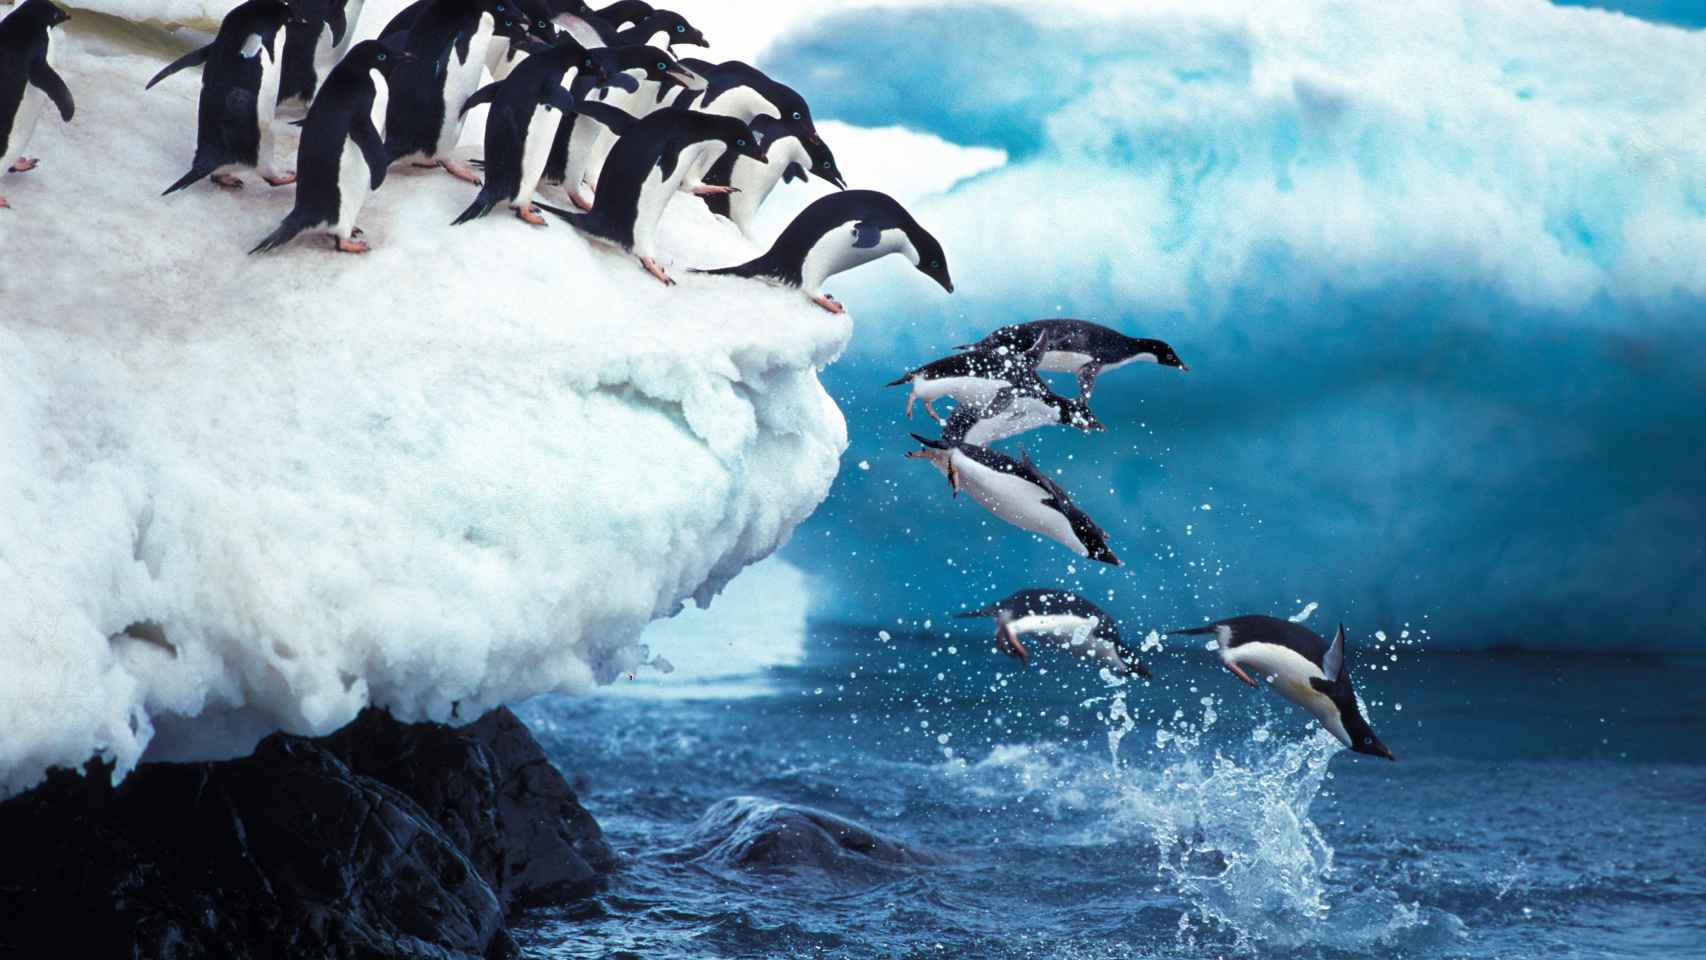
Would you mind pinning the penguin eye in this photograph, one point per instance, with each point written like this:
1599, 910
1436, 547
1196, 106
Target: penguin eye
680, 28
935, 265
382, 56
1367, 740
662, 65
740, 142
796, 114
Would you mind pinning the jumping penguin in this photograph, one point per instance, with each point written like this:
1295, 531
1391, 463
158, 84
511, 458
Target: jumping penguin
974, 377
1023, 407
1017, 492
342, 157
839, 232
28, 80
239, 94
645, 171
1079, 347
1301, 666
1072, 622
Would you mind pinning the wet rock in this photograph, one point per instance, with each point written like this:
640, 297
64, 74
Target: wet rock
750, 833
383, 840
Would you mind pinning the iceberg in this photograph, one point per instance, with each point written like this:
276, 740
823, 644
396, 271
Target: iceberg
255, 493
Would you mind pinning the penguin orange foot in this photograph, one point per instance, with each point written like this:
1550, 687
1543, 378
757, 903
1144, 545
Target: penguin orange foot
25, 164
227, 181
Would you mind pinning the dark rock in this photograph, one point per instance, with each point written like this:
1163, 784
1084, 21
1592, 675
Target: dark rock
753, 834
383, 840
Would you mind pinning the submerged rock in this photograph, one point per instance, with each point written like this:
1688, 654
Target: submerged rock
381, 840
751, 833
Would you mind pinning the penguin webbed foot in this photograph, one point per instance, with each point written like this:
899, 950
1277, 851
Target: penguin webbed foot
25, 164
1240, 674
712, 190
829, 303
656, 271
227, 181
4, 205
580, 201
351, 245
282, 180
461, 171
530, 214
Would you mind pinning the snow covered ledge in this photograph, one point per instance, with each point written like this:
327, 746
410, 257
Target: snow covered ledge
462, 470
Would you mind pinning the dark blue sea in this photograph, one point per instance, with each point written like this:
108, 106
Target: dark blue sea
1542, 806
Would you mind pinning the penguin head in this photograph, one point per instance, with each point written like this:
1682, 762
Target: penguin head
513, 25
659, 66
538, 19
1133, 666
379, 55
1158, 351
932, 262
1075, 413
742, 139
1095, 541
1359, 736
676, 25
823, 162
43, 13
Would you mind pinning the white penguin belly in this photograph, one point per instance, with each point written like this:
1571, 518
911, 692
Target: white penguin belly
461, 80
1017, 501
1290, 672
23, 127
1027, 413
1062, 361
267, 104
834, 253
498, 61
971, 390
354, 177
655, 193
325, 56
541, 131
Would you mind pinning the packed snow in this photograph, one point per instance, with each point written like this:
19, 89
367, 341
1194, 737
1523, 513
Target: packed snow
252, 493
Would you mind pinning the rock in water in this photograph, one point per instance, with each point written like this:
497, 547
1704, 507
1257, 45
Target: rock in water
382, 840
750, 833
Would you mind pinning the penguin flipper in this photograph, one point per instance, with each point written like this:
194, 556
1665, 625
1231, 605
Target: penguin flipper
337, 21
193, 58
51, 83
933, 444
372, 147
618, 120
485, 94
1087, 379
959, 424
1192, 631
866, 234
793, 171
563, 100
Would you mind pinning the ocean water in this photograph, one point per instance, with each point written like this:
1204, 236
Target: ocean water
1542, 806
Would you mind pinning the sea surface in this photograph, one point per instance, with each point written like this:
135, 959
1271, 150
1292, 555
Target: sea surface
1542, 806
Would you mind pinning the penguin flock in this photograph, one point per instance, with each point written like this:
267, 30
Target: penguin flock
601, 105
998, 393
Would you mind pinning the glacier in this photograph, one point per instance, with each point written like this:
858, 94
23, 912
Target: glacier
257, 493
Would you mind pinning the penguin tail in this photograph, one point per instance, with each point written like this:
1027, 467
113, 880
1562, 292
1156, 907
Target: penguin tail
751, 268
198, 172
1191, 631
979, 613
933, 444
481, 206
285, 233
899, 383
573, 218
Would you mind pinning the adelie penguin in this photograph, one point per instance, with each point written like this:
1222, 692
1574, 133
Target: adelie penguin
28, 81
837, 233
1302, 667
1017, 492
646, 169
1065, 619
1079, 347
740, 90
311, 43
521, 125
342, 157
751, 182
971, 378
239, 93
1023, 407
447, 40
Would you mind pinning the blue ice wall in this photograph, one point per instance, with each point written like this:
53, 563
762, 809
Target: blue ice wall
1438, 270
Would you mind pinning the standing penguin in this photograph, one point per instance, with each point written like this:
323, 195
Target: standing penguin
973, 377
1302, 667
28, 80
1075, 623
737, 89
526, 108
310, 45
447, 39
239, 93
752, 182
840, 232
1022, 407
646, 170
342, 156
1079, 347
1017, 492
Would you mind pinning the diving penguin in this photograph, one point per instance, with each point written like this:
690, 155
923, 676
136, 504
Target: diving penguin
1067, 620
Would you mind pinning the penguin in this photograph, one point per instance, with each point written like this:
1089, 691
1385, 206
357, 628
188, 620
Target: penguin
447, 38
1074, 623
310, 44
839, 232
1079, 347
752, 182
1017, 409
571, 149
504, 54
239, 94
624, 13
1017, 492
1301, 666
342, 157
28, 80
646, 170
658, 28
974, 377
522, 124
